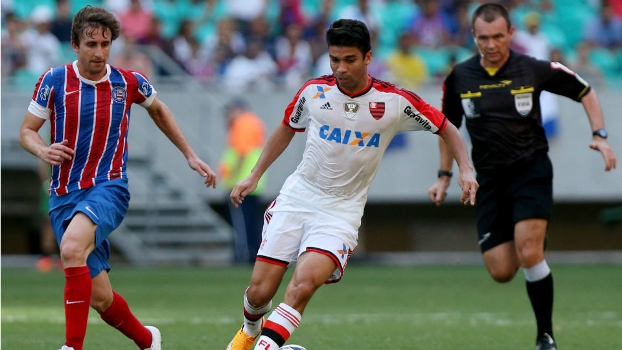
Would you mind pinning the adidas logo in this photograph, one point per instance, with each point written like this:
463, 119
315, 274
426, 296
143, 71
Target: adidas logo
327, 106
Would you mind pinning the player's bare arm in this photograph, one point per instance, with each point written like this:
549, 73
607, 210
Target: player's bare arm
31, 140
438, 191
276, 144
164, 119
466, 179
595, 116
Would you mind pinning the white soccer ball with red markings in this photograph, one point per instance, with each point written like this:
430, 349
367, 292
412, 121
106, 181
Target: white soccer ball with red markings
292, 347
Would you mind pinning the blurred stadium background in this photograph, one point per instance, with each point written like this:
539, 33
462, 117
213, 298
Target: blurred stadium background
201, 54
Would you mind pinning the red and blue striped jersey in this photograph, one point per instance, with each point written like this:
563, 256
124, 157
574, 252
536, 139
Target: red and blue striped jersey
94, 116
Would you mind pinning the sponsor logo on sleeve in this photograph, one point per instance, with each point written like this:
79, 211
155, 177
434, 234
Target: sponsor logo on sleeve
418, 117
298, 113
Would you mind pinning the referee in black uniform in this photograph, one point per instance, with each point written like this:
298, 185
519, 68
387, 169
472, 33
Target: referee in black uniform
498, 93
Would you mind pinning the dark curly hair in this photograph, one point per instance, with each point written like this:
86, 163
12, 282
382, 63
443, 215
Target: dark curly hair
91, 18
351, 33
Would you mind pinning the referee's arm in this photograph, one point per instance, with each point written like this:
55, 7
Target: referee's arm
595, 116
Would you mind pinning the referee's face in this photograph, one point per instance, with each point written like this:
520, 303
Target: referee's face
493, 41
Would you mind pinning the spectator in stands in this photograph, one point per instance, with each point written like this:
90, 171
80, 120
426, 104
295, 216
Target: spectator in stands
155, 38
13, 46
254, 69
431, 27
136, 20
185, 45
462, 33
198, 65
245, 140
221, 47
362, 11
407, 69
244, 12
585, 68
130, 57
43, 50
290, 12
605, 29
88, 103
61, 25
293, 56
315, 30
616, 6
261, 30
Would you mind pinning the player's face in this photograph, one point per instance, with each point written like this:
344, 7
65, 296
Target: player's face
350, 67
93, 52
493, 40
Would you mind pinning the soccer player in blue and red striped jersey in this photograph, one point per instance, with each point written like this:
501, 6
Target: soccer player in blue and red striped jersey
88, 105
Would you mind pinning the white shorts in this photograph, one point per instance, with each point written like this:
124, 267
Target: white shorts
291, 228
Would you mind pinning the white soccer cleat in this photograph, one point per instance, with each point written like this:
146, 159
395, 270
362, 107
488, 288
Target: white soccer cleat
156, 338
65, 347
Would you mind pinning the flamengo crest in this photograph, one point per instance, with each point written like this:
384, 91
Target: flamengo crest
376, 109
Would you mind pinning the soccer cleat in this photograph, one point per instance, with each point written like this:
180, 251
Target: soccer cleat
156, 338
242, 340
546, 342
65, 347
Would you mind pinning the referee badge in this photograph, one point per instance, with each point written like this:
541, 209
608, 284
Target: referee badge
523, 103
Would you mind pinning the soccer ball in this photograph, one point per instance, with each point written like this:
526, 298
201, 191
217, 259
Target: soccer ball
292, 347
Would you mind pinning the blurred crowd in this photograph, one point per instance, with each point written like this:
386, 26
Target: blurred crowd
242, 44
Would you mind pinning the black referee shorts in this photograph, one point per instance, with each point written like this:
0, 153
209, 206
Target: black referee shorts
514, 194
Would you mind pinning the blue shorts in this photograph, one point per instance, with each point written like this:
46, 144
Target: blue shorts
105, 204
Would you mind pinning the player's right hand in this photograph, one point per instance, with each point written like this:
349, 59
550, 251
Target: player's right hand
56, 153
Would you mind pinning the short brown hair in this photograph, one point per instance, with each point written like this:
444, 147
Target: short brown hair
90, 18
489, 12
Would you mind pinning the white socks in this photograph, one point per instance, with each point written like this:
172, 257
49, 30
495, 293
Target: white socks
537, 272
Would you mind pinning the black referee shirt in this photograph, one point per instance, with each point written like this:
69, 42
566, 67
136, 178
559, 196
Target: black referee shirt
502, 112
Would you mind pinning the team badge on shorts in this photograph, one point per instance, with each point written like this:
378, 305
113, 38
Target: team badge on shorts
351, 108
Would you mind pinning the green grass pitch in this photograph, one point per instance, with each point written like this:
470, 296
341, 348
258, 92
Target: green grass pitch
373, 307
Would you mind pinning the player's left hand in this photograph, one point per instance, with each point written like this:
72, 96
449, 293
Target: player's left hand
601, 144
204, 170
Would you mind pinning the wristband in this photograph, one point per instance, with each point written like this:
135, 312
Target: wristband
445, 173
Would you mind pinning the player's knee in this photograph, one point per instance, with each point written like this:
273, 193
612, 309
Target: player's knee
530, 254
259, 295
100, 303
71, 252
302, 291
503, 274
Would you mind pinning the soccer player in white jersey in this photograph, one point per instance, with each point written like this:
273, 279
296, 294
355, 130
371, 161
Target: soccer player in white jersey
350, 119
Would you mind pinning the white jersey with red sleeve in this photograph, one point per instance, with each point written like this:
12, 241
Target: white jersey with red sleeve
347, 136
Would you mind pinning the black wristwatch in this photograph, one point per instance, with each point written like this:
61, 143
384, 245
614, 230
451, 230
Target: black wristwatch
600, 133
445, 173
